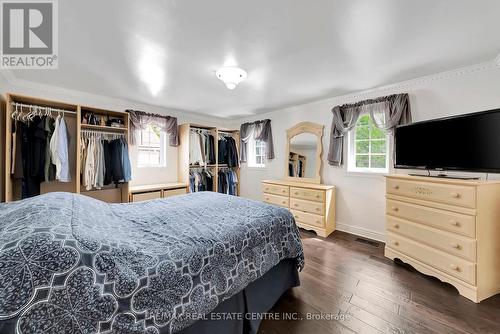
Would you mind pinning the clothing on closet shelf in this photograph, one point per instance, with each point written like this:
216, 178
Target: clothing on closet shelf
104, 161
228, 153
200, 180
227, 182
201, 147
39, 152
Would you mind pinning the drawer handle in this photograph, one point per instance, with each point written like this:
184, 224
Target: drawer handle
395, 243
295, 204
317, 221
296, 217
284, 202
296, 193
395, 209
318, 209
283, 191
266, 188
455, 245
396, 225
317, 196
455, 267
267, 198
455, 195
396, 187
454, 223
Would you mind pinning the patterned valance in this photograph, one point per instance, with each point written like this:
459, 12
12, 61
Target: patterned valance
140, 120
260, 130
386, 112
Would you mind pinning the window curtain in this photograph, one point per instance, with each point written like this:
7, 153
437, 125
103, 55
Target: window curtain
386, 112
260, 130
140, 120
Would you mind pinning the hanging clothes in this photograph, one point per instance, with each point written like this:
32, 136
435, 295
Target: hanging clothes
34, 142
210, 149
106, 161
62, 152
200, 180
195, 151
228, 152
39, 149
227, 182
49, 168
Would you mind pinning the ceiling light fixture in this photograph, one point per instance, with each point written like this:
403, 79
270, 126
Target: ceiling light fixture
231, 76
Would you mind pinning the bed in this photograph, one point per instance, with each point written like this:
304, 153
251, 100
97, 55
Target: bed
73, 264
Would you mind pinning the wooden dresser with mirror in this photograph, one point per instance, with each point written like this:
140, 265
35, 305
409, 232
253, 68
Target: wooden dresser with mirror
311, 203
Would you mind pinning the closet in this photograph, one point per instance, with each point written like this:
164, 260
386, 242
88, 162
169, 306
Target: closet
205, 166
25, 144
110, 131
39, 118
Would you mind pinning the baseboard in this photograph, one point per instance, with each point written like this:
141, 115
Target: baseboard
361, 231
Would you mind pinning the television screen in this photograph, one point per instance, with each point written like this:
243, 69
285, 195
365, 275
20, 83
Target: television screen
470, 143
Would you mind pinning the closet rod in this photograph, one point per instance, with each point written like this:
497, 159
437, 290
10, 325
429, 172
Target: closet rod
104, 134
23, 105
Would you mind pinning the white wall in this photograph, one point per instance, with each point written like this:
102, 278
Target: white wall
140, 176
360, 197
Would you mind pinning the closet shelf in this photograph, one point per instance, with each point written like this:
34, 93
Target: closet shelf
200, 166
102, 127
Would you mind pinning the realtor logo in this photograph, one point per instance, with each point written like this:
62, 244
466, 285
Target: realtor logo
29, 34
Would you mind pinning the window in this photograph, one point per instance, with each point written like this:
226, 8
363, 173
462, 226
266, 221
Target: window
256, 153
151, 148
368, 147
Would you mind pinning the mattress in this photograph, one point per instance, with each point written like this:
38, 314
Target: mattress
73, 264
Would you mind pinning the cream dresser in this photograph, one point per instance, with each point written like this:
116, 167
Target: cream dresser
447, 228
312, 205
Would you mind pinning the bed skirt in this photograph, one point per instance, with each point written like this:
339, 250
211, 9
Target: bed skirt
241, 310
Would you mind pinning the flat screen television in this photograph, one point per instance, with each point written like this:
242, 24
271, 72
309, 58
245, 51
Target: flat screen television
468, 142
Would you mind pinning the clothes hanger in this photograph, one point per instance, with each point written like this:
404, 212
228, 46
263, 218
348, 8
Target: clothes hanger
13, 116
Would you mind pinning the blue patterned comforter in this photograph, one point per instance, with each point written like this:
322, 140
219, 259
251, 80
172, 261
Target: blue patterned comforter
72, 264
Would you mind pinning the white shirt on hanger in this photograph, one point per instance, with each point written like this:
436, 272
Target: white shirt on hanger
54, 157
62, 152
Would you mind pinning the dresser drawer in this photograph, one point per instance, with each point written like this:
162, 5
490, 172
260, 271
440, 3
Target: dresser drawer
307, 194
275, 200
442, 219
307, 206
445, 241
308, 218
146, 196
444, 193
275, 189
173, 192
449, 264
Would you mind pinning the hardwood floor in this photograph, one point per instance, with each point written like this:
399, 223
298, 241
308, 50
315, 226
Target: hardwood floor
372, 294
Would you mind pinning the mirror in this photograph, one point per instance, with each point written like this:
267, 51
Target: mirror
304, 148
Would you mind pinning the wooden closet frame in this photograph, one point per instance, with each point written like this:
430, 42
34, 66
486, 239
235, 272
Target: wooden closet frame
103, 194
183, 160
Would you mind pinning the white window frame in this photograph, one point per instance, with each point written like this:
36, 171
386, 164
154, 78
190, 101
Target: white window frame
252, 153
351, 155
162, 150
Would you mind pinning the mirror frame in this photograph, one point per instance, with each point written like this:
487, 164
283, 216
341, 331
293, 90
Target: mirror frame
305, 127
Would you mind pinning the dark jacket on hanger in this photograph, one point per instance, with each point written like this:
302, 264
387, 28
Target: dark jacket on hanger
116, 161
222, 151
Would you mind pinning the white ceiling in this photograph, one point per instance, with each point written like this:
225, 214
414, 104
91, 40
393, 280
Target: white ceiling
165, 52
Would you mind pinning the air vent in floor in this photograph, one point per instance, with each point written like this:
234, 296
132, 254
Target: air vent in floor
368, 242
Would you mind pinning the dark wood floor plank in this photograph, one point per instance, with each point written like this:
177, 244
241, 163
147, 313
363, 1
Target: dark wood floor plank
374, 295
